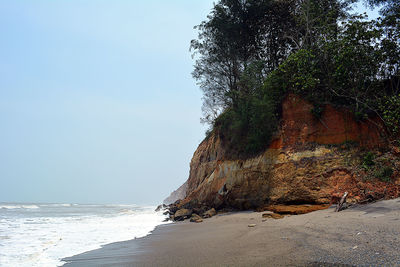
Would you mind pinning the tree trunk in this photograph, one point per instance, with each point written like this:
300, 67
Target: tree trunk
341, 202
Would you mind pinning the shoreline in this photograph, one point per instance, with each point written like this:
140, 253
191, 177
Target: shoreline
361, 235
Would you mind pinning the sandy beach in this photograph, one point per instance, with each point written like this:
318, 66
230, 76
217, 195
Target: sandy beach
363, 235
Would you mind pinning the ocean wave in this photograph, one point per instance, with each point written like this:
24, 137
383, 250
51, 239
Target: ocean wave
56, 205
126, 211
19, 207
121, 205
54, 236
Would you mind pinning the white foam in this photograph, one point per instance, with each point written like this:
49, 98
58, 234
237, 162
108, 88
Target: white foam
44, 241
19, 207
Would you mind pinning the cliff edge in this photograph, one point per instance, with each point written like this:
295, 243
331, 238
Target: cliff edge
309, 161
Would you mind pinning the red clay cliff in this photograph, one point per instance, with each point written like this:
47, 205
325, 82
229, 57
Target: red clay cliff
310, 161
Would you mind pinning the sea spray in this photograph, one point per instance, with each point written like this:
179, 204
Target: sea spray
42, 234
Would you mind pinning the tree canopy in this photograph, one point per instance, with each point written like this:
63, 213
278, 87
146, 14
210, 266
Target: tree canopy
250, 54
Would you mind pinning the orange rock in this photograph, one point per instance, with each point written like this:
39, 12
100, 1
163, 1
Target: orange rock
298, 167
295, 209
272, 215
335, 126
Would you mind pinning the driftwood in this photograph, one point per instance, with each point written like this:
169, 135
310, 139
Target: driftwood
339, 207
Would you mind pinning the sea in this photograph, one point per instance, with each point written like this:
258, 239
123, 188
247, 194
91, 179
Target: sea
33, 234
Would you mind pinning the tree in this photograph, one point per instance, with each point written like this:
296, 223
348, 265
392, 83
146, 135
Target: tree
236, 34
389, 8
316, 21
251, 53
390, 24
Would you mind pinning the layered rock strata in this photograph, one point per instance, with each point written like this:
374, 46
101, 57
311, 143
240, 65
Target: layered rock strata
310, 161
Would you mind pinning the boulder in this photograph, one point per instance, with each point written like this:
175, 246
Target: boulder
182, 214
161, 207
173, 208
167, 212
209, 213
200, 210
196, 218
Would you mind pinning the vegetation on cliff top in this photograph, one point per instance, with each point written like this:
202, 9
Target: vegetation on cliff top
251, 53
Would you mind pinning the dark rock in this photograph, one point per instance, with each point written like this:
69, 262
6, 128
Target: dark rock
200, 210
191, 204
173, 208
196, 218
209, 213
161, 207
182, 214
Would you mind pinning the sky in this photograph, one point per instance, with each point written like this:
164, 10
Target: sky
97, 102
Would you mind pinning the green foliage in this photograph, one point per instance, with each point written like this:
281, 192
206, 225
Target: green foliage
356, 56
384, 174
377, 166
389, 9
247, 127
299, 72
390, 109
368, 160
360, 115
317, 21
235, 35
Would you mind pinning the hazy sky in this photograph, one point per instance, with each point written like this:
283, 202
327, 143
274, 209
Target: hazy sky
97, 104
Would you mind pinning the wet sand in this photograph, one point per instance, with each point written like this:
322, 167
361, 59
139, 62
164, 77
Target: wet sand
364, 235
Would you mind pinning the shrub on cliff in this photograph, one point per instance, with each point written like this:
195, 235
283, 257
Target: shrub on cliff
247, 127
299, 73
390, 109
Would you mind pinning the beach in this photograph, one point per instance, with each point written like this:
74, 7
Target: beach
363, 235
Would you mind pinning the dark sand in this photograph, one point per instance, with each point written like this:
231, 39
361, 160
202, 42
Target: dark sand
365, 235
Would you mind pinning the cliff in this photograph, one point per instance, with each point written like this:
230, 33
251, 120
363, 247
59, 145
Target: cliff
179, 193
310, 161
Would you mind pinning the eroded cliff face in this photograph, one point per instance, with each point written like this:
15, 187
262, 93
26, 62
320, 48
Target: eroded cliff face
310, 161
